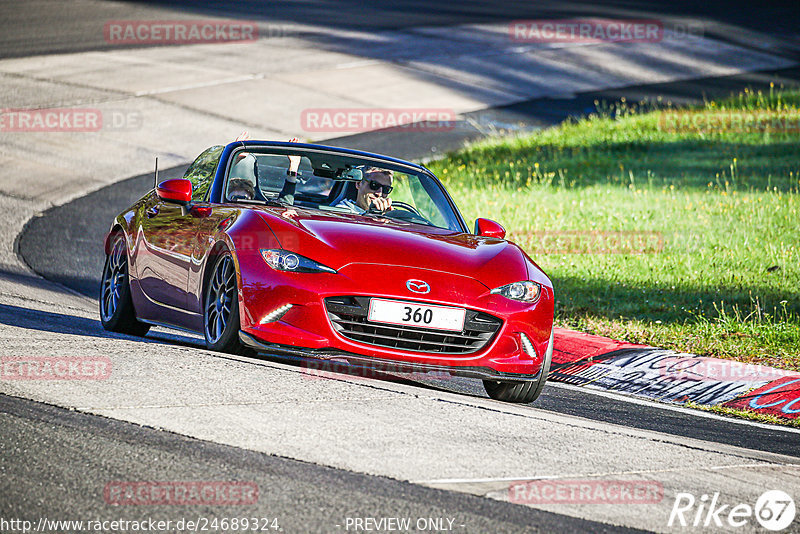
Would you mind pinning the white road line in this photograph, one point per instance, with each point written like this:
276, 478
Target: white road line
596, 475
360, 63
680, 409
212, 83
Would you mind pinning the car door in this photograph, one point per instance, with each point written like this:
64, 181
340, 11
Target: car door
169, 234
216, 218
165, 250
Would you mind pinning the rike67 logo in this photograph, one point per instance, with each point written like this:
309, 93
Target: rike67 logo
774, 510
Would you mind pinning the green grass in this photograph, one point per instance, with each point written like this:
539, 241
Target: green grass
723, 276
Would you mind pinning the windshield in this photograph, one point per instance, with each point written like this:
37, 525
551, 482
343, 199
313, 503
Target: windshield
339, 183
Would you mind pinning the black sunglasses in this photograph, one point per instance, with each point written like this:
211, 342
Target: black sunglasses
375, 185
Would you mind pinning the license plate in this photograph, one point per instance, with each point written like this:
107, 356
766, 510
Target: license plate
412, 314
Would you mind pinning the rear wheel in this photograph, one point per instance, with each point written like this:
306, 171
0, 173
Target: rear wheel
518, 391
221, 308
116, 307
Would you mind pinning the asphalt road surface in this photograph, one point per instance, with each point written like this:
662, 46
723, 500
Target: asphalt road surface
64, 244
55, 462
62, 471
46, 27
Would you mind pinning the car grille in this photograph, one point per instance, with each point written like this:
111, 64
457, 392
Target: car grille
349, 317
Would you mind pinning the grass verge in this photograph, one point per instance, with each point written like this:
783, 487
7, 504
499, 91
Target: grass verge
674, 228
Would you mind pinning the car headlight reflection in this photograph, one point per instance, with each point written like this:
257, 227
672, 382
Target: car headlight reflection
525, 291
284, 260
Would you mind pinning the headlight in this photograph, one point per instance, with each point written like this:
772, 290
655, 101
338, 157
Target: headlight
526, 291
283, 260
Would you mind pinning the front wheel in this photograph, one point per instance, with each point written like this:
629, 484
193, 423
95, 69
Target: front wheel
116, 307
221, 309
521, 392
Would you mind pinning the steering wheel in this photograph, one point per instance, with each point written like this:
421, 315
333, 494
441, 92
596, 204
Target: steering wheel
405, 212
407, 207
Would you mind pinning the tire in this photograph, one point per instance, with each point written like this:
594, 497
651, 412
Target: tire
116, 307
221, 308
521, 392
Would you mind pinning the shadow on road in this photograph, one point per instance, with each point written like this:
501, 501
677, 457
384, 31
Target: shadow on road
44, 321
65, 323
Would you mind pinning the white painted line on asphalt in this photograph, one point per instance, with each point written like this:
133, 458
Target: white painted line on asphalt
213, 83
680, 409
480, 480
188, 405
597, 475
359, 63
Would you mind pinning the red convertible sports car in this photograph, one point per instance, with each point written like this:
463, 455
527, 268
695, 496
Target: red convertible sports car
311, 251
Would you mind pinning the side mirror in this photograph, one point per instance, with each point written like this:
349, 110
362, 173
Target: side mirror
489, 228
176, 190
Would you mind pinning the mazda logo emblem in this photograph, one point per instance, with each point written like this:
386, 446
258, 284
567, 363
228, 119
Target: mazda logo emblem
418, 286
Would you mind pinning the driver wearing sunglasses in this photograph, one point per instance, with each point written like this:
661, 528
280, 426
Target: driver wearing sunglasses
373, 191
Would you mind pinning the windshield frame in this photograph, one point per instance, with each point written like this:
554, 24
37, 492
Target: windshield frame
231, 151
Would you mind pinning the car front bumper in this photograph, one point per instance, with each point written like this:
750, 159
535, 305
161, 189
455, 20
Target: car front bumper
307, 329
308, 358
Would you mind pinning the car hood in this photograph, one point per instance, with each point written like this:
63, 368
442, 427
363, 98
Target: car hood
340, 240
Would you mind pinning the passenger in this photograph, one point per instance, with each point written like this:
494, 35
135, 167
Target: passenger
240, 189
243, 178
245, 171
373, 189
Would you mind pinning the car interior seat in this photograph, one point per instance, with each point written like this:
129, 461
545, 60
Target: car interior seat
348, 192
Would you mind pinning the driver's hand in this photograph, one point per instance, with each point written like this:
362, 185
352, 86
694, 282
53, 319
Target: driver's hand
382, 204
